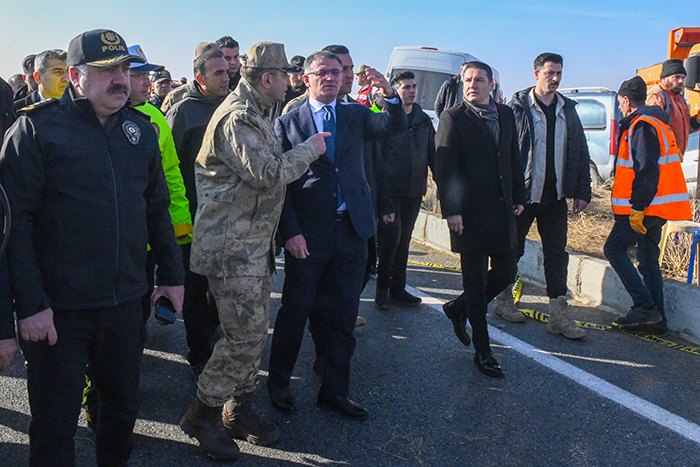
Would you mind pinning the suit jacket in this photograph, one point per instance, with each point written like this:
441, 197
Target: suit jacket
311, 202
478, 179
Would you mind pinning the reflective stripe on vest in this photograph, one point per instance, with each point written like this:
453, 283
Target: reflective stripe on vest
671, 201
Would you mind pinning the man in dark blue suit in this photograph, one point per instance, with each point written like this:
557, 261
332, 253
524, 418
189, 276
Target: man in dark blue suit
327, 218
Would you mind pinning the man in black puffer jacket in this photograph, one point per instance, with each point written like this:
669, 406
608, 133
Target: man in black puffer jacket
554, 156
402, 173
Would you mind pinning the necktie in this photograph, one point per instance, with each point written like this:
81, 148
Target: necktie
329, 126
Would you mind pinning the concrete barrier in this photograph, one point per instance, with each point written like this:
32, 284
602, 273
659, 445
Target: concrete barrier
589, 279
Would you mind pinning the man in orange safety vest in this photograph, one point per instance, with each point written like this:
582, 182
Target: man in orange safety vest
649, 189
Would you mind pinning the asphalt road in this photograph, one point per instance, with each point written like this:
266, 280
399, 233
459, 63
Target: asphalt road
609, 399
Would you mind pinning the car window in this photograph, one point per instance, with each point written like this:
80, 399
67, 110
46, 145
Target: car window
593, 114
429, 83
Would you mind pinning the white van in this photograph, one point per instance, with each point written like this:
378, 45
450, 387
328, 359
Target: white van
432, 67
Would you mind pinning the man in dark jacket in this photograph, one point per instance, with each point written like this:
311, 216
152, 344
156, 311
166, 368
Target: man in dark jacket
327, 218
50, 75
554, 155
230, 48
403, 170
649, 189
8, 342
28, 77
84, 178
478, 173
188, 120
450, 93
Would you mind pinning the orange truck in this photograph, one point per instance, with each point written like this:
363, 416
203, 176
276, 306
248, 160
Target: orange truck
683, 43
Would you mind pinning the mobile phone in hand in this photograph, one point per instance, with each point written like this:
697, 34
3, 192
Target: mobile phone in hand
165, 311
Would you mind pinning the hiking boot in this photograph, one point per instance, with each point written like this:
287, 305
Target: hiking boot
641, 319
241, 422
404, 298
205, 424
504, 306
560, 322
381, 300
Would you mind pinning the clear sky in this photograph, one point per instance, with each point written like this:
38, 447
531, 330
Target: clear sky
603, 42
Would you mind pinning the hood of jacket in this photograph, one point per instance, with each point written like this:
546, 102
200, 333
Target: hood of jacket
650, 110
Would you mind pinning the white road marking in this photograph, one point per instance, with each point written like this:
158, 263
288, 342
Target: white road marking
640, 406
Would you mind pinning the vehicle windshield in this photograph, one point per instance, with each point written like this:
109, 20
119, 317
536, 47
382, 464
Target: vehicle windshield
429, 83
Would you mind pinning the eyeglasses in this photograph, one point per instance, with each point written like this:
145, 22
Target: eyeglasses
322, 74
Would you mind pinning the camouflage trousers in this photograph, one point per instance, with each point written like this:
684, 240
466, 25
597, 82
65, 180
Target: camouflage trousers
244, 312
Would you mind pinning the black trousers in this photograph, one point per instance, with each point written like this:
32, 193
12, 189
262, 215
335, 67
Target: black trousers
553, 227
198, 312
394, 243
481, 285
328, 284
111, 339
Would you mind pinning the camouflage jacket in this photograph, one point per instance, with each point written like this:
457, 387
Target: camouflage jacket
241, 174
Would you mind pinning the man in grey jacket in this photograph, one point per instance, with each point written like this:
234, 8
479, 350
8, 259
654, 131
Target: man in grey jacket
554, 155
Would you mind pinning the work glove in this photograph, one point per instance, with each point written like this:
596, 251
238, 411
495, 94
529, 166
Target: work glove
637, 222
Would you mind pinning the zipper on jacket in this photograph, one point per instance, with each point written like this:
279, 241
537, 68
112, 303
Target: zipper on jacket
116, 208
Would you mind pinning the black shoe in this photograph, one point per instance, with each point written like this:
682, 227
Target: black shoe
488, 365
281, 398
342, 405
641, 319
661, 329
459, 322
404, 298
381, 300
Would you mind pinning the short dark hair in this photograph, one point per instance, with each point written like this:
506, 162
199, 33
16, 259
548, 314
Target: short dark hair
228, 42
475, 64
548, 57
210, 51
28, 64
317, 56
41, 62
402, 76
337, 49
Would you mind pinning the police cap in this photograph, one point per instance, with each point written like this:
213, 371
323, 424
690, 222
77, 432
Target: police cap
99, 47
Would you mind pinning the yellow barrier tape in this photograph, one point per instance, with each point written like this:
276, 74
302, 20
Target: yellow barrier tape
544, 317
433, 265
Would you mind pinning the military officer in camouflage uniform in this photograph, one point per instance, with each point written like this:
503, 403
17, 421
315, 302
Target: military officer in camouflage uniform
241, 174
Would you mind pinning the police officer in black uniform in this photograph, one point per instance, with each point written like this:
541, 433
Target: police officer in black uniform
85, 181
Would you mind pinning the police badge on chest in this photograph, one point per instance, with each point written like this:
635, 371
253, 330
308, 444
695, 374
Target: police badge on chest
132, 132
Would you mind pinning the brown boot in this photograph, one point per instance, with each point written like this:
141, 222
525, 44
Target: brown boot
504, 306
205, 424
241, 422
560, 322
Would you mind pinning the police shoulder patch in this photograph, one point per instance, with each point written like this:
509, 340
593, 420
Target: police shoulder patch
132, 131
